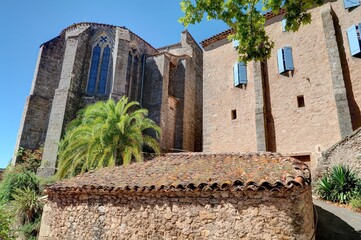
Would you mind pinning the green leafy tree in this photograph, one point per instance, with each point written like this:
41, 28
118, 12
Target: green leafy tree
106, 134
245, 17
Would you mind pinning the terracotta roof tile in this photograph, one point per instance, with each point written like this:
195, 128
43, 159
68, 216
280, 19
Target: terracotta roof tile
225, 34
194, 171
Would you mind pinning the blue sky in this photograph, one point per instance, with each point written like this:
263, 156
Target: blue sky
27, 24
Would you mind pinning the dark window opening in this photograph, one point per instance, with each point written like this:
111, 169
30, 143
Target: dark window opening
233, 114
300, 101
304, 158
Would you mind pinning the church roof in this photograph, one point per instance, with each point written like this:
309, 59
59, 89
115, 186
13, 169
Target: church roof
225, 33
193, 172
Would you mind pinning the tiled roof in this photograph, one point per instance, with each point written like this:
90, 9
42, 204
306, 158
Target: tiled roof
193, 172
225, 34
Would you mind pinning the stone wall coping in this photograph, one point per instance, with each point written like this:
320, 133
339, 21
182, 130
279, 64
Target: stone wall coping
193, 172
82, 24
327, 152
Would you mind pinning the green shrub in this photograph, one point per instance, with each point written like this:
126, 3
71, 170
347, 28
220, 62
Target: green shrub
14, 178
27, 210
340, 184
356, 203
5, 225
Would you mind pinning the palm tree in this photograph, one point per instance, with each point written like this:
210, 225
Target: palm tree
106, 134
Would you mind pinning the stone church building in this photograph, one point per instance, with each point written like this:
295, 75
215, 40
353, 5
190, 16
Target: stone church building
89, 62
300, 102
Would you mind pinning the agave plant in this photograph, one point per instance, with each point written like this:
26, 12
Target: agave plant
338, 185
106, 134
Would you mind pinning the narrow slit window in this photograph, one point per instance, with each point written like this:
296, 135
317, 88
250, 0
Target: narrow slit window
233, 114
300, 101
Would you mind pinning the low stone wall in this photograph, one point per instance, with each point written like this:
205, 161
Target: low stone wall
347, 151
262, 214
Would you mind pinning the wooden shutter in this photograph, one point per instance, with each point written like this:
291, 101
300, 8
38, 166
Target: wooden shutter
354, 40
281, 65
236, 75
284, 21
350, 3
287, 51
242, 73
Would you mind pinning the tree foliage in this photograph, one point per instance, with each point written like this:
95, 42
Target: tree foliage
247, 20
106, 134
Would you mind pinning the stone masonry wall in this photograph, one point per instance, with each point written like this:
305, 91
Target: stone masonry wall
347, 152
34, 122
198, 215
67, 98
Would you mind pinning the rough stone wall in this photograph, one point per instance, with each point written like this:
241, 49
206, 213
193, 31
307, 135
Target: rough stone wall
219, 215
343, 19
176, 89
185, 84
66, 98
156, 95
220, 97
193, 98
34, 122
347, 152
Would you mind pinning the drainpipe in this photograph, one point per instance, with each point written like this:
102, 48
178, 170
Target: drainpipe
142, 82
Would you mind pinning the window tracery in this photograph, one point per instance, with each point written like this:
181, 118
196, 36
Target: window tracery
99, 67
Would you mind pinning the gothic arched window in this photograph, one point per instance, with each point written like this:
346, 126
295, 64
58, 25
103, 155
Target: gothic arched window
93, 73
98, 72
132, 74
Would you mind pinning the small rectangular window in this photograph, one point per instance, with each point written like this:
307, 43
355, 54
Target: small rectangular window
354, 39
234, 114
285, 60
240, 74
300, 101
350, 3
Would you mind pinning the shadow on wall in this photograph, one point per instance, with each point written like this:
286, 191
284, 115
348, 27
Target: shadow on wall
354, 108
331, 227
270, 124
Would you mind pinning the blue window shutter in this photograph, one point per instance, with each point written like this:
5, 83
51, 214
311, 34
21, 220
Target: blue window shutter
242, 73
104, 71
93, 72
350, 3
281, 65
353, 40
284, 21
236, 75
287, 51
235, 43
